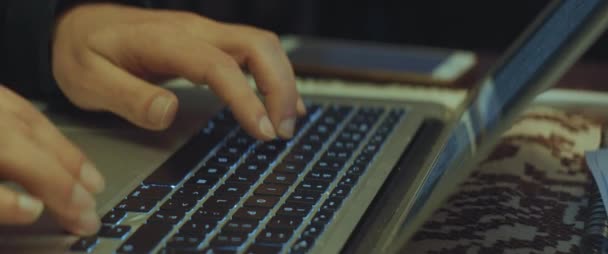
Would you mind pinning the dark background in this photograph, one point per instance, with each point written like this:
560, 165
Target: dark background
482, 26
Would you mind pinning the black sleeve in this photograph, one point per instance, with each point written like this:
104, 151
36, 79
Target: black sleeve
25, 37
26, 28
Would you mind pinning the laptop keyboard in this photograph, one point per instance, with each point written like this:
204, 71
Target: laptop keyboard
225, 192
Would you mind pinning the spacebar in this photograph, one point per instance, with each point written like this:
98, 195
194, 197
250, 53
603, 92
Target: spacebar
145, 238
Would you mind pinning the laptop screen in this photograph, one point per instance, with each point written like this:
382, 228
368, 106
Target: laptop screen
504, 88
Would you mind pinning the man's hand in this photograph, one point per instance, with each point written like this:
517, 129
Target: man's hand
106, 55
36, 155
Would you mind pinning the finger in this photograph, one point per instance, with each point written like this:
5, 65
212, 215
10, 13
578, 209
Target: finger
261, 52
115, 90
301, 107
18, 208
39, 171
45, 178
48, 136
202, 63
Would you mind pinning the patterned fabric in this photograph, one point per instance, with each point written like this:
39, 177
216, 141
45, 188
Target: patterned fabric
529, 196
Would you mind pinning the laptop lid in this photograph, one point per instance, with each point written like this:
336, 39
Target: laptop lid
559, 36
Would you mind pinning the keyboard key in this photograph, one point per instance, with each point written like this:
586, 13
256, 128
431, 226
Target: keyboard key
232, 189
151, 192
270, 148
281, 178
262, 249
260, 158
313, 231
284, 222
179, 204
354, 137
306, 148
347, 181
240, 226
331, 204
229, 239
85, 244
271, 189
198, 227
208, 212
343, 146
221, 202
171, 217
332, 165
191, 192
251, 168
340, 110
241, 140
202, 181
313, 138
145, 239
322, 217
302, 245
262, 201
223, 160
340, 191
296, 157
185, 242
299, 210
274, 236
243, 178
355, 170
254, 213
304, 196
114, 231
232, 151
113, 216
290, 167
212, 170
336, 155
321, 175
136, 205
310, 185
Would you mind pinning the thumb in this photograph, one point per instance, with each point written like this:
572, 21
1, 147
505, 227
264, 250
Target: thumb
113, 89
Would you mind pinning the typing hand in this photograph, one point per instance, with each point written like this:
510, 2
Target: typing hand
105, 57
55, 173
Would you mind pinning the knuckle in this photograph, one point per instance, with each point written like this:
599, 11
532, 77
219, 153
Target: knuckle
266, 40
220, 64
187, 18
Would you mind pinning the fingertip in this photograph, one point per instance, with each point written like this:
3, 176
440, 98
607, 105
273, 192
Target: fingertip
300, 107
162, 111
286, 128
88, 223
266, 128
91, 178
30, 207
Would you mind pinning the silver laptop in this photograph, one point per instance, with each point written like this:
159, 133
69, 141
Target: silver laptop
360, 176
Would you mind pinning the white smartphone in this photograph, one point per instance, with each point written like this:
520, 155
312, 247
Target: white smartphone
377, 61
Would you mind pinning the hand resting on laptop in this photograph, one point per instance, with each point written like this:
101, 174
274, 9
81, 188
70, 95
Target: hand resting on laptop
105, 58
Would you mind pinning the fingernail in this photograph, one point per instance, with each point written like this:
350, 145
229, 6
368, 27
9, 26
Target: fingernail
266, 128
301, 107
158, 113
89, 223
82, 198
91, 177
33, 207
286, 127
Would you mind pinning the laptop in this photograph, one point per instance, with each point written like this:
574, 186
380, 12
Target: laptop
360, 176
